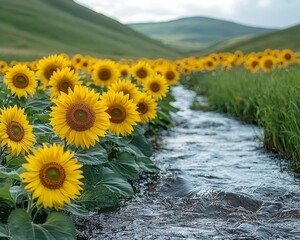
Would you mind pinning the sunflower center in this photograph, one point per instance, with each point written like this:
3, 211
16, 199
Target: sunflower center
20, 81
142, 108
254, 64
117, 113
104, 74
80, 116
268, 64
141, 73
170, 75
15, 131
64, 86
287, 56
49, 71
155, 87
52, 175
124, 73
210, 64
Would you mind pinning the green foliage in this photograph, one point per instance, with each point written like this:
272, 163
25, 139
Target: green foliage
269, 100
281, 39
195, 33
57, 226
70, 28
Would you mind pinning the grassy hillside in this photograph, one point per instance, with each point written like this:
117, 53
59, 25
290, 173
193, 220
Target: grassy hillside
34, 28
287, 38
195, 33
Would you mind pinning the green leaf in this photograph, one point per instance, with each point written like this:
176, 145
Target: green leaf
4, 231
76, 209
142, 143
43, 132
5, 193
13, 162
38, 104
146, 164
17, 193
92, 156
95, 176
125, 165
115, 183
57, 226
99, 197
20, 226
11, 175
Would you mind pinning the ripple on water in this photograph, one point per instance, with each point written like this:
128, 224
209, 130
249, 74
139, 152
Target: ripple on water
216, 183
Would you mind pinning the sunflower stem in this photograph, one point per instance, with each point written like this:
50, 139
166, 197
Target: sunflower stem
29, 207
38, 208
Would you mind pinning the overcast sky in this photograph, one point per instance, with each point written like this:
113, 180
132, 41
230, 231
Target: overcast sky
264, 13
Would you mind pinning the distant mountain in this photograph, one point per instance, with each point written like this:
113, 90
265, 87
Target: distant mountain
281, 39
34, 28
195, 33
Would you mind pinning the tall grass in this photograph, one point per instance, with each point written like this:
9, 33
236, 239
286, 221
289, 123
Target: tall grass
270, 100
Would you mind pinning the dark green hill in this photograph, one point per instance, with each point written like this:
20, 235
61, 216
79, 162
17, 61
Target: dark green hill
281, 39
195, 33
34, 28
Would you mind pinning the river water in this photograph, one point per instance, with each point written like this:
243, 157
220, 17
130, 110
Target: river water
216, 182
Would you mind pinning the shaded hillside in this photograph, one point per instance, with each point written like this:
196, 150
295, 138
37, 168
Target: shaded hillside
195, 33
34, 28
281, 39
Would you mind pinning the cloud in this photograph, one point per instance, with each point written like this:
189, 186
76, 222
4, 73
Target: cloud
267, 13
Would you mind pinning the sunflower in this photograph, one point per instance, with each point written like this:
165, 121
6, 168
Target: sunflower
48, 65
53, 176
210, 64
142, 71
287, 56
105, 72
86, 64
146, 107
157, 87
123, 112
267, 63
3, 66
79, 117
62, 80
127, 87
21, 81
15, 131
124, 70
252, 64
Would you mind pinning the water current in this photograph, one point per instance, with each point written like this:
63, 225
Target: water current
216, 182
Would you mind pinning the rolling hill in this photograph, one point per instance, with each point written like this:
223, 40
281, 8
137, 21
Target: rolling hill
195, 33
281, 39
34, 28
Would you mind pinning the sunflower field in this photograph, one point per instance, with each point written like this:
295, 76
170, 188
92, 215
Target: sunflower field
73, 137
74, 131
259, 88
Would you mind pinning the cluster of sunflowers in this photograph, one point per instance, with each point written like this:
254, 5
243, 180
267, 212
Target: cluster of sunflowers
84, 101
267, 61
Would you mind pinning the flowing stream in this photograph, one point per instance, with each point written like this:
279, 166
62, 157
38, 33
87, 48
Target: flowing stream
216, 182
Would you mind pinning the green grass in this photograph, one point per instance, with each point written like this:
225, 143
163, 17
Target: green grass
269, 100
34, 28
195, 33
282, 39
